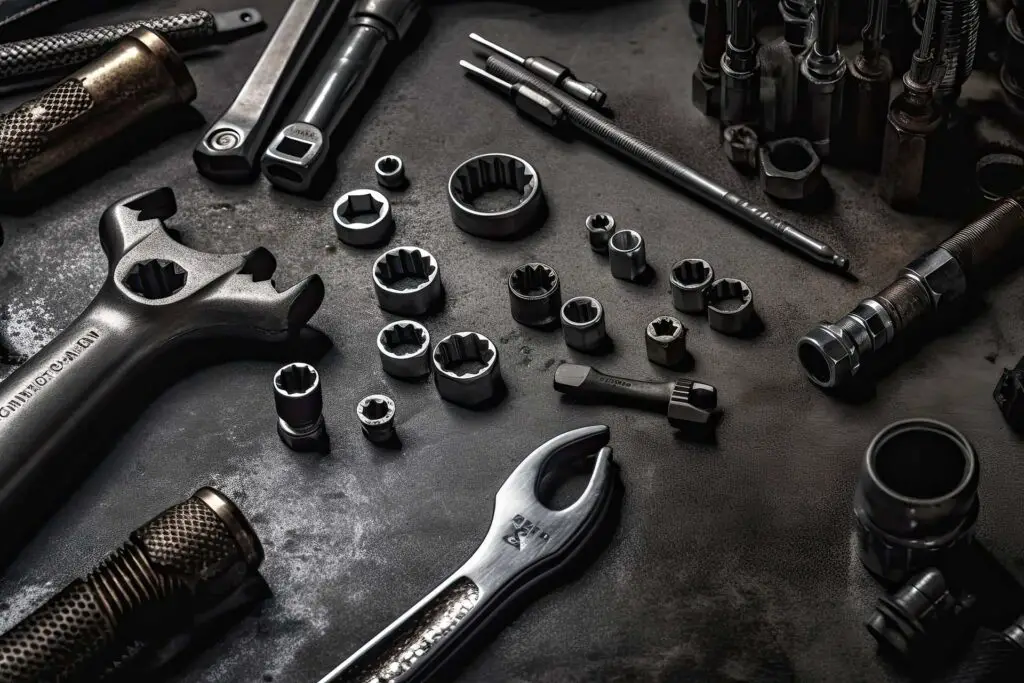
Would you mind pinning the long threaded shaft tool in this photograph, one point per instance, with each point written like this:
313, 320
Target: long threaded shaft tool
536, 98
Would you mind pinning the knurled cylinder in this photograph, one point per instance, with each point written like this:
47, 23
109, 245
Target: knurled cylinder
985, 246
905, 302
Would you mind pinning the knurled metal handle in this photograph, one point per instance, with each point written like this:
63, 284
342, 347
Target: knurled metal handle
66, 51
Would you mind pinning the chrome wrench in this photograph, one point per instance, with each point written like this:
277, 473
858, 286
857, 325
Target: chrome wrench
527, 542
229, 149
300, 149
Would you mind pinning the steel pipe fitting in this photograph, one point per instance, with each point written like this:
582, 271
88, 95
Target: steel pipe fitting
917, 498
404, 348
390, 172
376, 416
482, 175
363, 218
535, 294
600, 228
627, 255
407, 281
583, 324
466, 369
300, 406
690, 280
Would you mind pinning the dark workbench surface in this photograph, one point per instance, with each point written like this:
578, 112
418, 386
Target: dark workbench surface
731, 562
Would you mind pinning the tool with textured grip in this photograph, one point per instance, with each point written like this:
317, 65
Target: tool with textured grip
140, 76
299, 150
833, 354
229, 150
187, 558
527, 544
993, 658
158, 294
685, 402
57, 54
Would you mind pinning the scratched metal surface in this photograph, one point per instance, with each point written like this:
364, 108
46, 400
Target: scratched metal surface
731, 562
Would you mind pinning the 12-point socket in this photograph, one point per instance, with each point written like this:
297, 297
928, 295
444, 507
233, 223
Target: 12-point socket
407, 281
583, 324
731, 307
690, 281
535, 294
466, 370
300, 405
404, 348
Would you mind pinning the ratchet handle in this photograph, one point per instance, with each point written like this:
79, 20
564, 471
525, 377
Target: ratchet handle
66, 51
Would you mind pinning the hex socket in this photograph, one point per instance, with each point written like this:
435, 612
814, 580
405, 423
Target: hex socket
535, 294
138, 77
298, 396
916, 501
627, 255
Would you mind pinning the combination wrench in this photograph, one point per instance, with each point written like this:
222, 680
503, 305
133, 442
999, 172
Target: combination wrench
299, 150
228, 151
527, 543
157, 295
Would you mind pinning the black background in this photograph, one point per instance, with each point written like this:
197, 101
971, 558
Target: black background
732, 562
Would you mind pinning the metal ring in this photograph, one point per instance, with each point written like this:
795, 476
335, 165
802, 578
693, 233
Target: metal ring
487, 173
363, 218
407, 281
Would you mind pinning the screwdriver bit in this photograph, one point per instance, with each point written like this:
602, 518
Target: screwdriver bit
685, 402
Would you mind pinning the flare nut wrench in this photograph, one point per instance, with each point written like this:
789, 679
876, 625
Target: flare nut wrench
157, 294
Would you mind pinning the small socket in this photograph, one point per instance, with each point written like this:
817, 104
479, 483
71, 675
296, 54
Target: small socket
583, 324
666, 342
600, 228
362, 218
407, 281
730, 306
690, 281
377, 418
627, 255
390, 171
535, 294
299, 401
467, 371
404, 348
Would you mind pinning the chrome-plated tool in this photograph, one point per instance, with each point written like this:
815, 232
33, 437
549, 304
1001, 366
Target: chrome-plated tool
537, 99
299, 150
527, 544
228, 150
551, 71
56, 55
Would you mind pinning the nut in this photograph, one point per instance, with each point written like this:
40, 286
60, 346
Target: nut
299, 401
600, 228
730, 306
404, 348
377, 417
583, 324
740, 144
535, 294
941, 275
407, 281
483, 175
363, 218
829, 359
390, 172
666, 342
627, 255
790, 169
466, 369
707, 91
690, 281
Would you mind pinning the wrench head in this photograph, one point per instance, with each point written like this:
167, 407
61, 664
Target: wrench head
295, 156
216, 294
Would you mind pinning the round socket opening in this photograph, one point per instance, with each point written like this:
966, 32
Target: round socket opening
815, 363
600, 221
493, 184
388, 165
462, 355
296, 379
728, 295
790, 157
691, 272
405, 269
533, 280
665, 327
360, 207
627, 240
404, 340
375, 409
921, 463
580, 311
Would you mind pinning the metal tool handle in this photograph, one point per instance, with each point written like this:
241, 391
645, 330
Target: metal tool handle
230, 147
585, 382
139, 592
65, 51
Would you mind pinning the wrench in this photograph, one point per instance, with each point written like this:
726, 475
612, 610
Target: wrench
300, 149
527, 543
228, 151
157, 295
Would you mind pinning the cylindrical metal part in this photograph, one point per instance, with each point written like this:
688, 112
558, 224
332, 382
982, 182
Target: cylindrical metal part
407, 281
690, 280
832, 355
730, 306
627, 255
820, 89
404, 348
600, 228
535, 294
918, 619
298, 398
583, 324
795, 16
188, 558
467, 370
741, 23
376, 416
487, 173
874, 30
917, 498
390, 171
866, 107
140, 76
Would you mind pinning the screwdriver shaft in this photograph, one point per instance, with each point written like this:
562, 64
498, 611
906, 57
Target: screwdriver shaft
507, 54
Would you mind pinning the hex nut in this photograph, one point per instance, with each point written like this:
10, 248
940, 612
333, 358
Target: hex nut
690, 280
362, 218
666, 342
298, 398
790, 169
404, 348
909, 163
466, 369
600, 228
407, 281
627, 255
740, 144
535, 294
730, 306
376, 416
485, 174
940, 274
583, 324
827, 357
390, 171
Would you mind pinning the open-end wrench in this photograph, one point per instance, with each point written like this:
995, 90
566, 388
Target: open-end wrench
527, 543
157, 295
228, 152
300, 149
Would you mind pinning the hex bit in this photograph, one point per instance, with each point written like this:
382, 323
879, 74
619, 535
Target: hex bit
685, 402
547, 105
